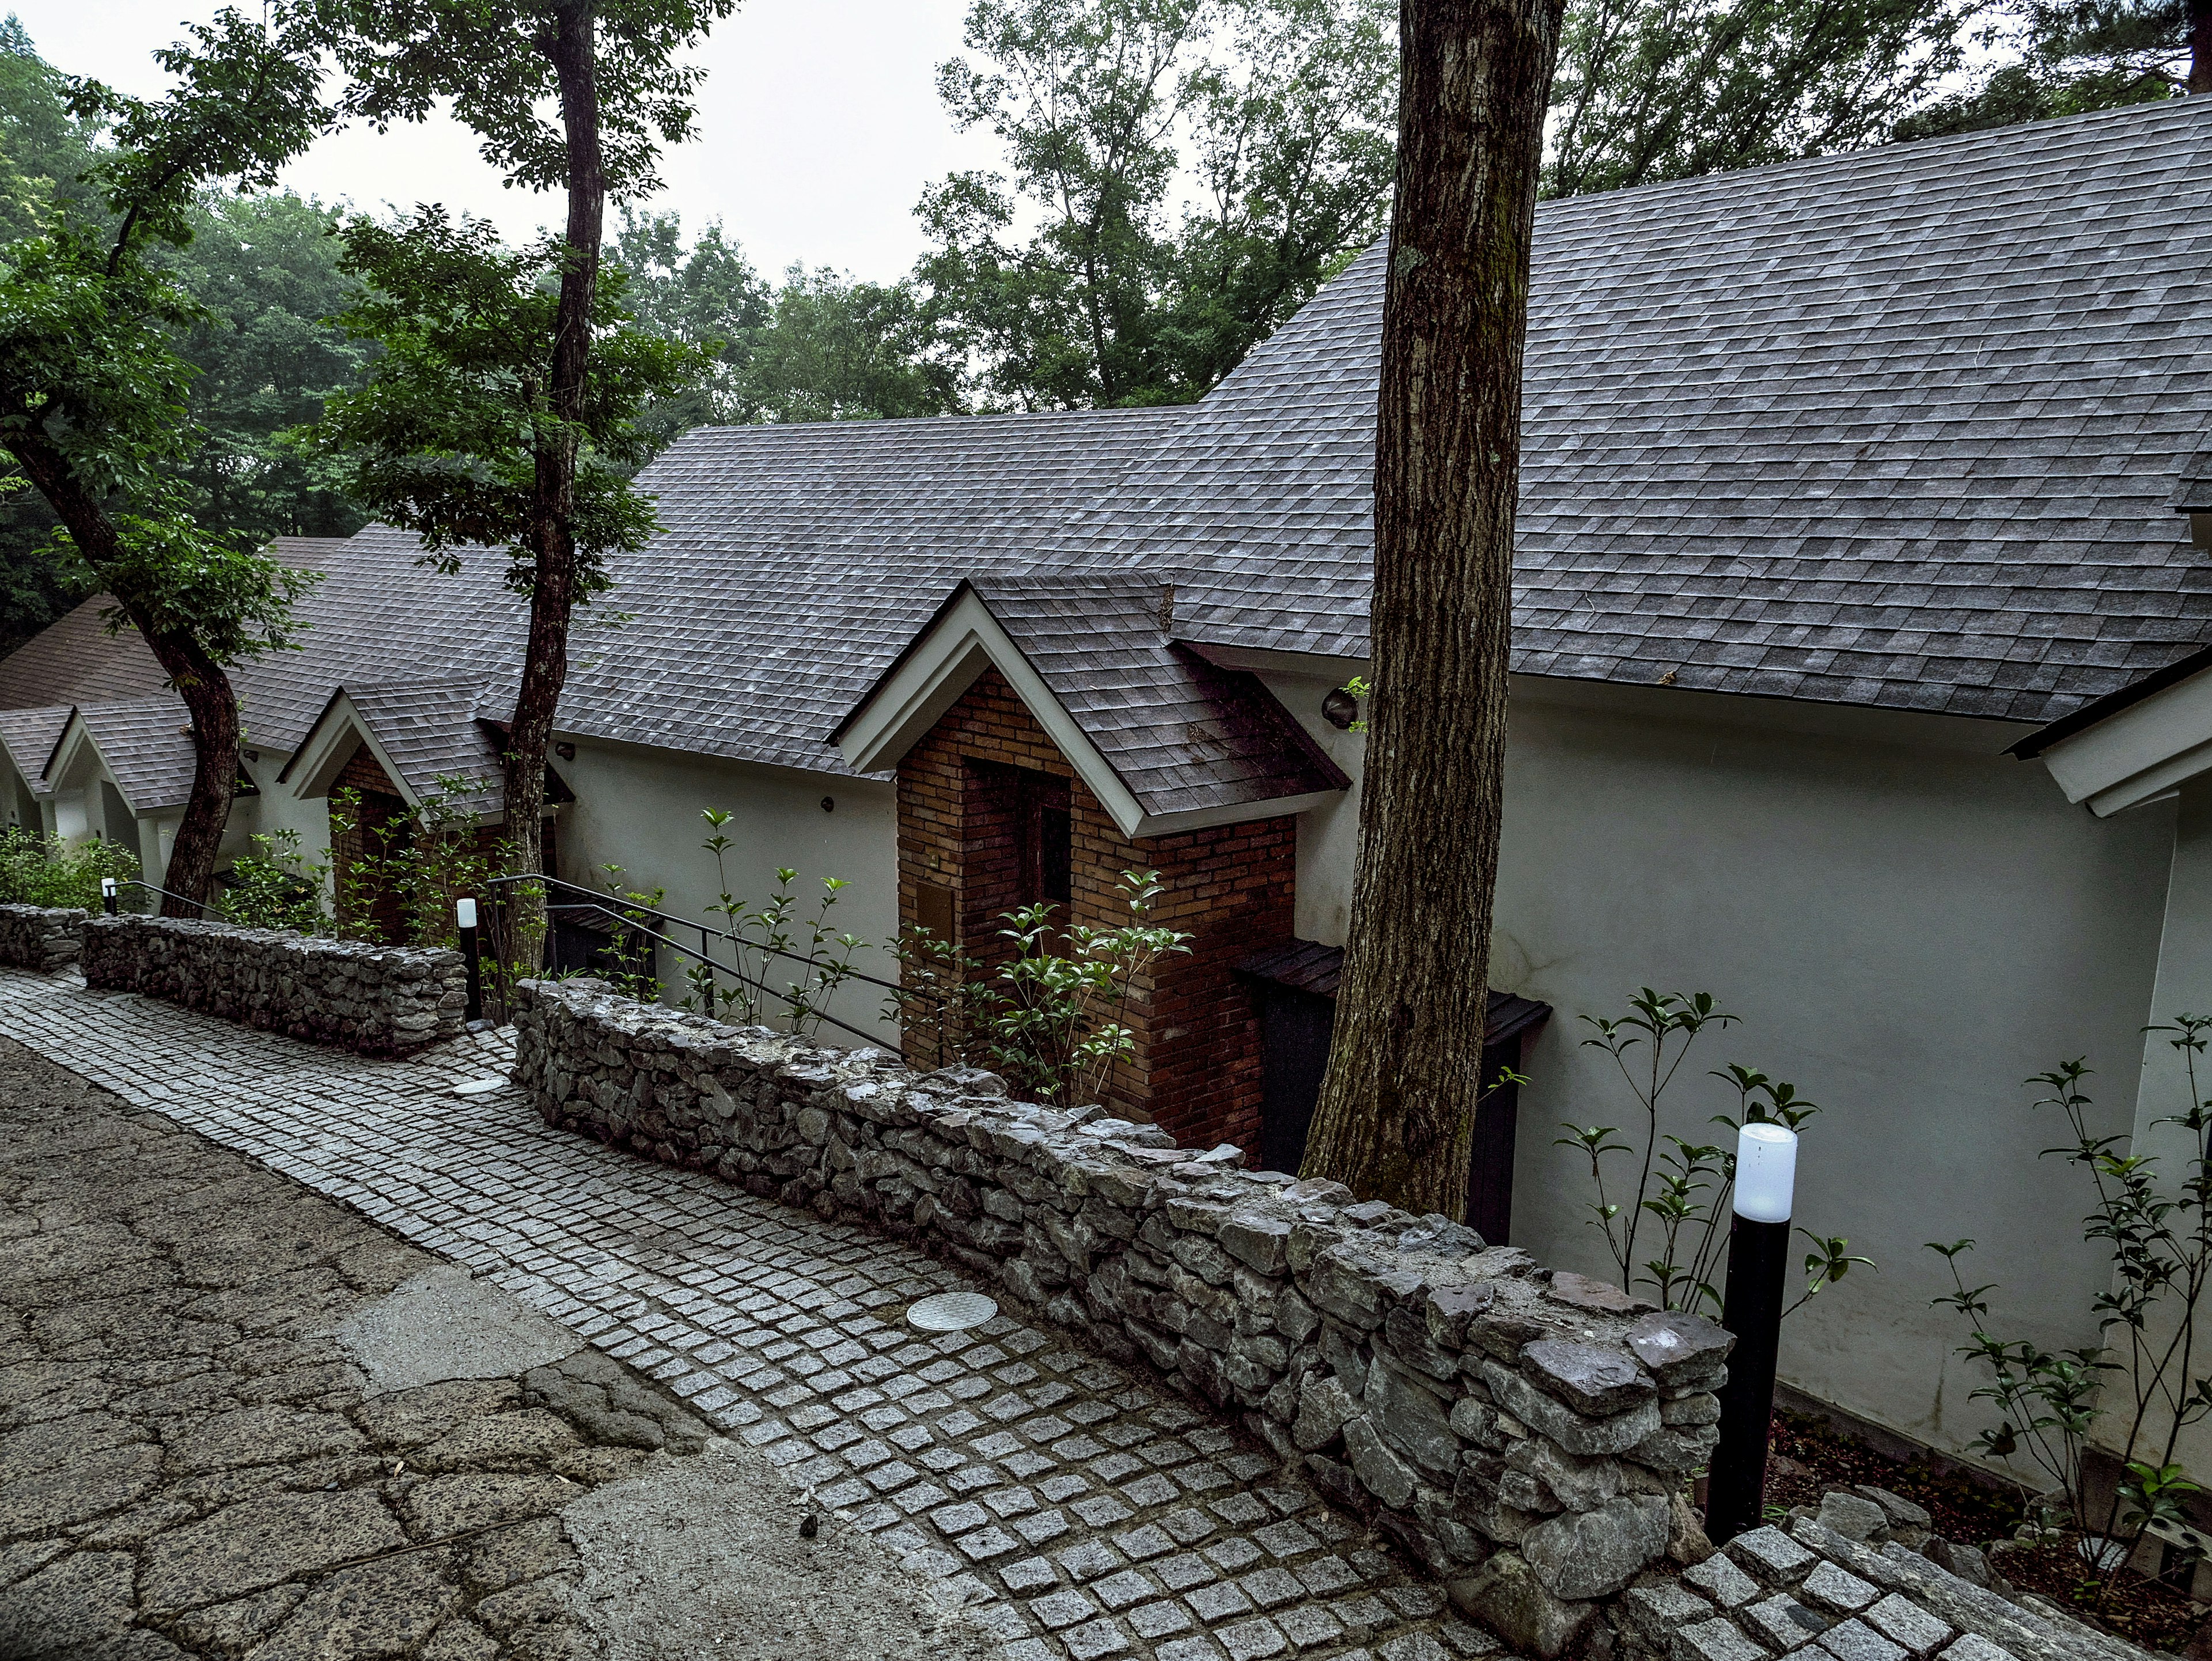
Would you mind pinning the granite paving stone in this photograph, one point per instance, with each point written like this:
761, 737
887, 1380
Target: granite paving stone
785, 1331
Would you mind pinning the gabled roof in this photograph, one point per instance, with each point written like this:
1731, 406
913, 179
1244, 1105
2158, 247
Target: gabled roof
1164, 739
28, 736
420, 732
1903, 427
1897, 427
144, 744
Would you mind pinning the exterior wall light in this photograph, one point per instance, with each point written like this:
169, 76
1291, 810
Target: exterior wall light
1758, 1280
1340, 709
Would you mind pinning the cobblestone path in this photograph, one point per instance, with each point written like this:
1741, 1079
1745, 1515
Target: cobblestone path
1075, 1512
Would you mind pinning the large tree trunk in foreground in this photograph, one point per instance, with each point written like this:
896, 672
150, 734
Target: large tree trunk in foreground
199, 680
573, 48
2200, 46
1396, 1117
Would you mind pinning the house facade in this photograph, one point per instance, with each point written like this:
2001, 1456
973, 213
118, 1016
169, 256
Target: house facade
1849, 484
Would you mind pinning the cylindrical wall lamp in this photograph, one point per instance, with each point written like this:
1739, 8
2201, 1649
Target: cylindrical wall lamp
1758, 1282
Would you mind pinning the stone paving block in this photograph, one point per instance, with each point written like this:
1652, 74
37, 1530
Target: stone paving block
1771, 1555
1783, 1621
1972, 1646
1904, 1622
1722, 1581
1853, 1640
787, 1332
1717, 1639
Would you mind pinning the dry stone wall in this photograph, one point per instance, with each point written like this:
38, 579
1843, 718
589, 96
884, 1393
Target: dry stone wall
1530, 1435
39, 937
375, 1000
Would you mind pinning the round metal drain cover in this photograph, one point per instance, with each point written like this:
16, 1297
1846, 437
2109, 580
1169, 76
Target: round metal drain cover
478, 1086
952, 1311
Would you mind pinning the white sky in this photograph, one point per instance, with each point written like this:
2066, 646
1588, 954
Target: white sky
818, 126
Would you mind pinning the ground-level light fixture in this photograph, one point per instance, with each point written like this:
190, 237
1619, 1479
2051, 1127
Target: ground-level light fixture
1758, 1281
464, 917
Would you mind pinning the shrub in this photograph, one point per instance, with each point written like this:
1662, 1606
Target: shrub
47, 871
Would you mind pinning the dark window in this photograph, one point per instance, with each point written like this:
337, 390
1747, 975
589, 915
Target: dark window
1046, 829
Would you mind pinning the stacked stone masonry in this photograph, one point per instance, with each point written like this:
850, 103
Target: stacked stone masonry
1845, 1586
39, 937
374, 1000
1529, 1436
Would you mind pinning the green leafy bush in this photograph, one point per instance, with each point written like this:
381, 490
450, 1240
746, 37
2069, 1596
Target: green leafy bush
278, 887
47, 871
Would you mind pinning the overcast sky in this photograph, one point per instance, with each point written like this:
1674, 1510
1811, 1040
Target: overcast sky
818, 126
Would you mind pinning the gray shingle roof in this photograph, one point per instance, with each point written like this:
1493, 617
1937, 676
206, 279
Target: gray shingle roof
1901, 427
1181, 734
431, 730
2192, 492
147, 745
28, 736
1897, 427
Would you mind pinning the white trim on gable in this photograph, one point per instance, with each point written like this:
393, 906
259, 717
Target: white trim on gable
2142, 753
963, 642
329, 746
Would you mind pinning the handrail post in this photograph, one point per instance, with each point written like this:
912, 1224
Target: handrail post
464, 914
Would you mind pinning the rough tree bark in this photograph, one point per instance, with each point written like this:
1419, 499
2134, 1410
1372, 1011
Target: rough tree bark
199, 681
2200, 46
1396, 1117
571, 44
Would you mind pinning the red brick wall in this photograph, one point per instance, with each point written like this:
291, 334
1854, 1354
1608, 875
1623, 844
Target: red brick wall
1196, 1067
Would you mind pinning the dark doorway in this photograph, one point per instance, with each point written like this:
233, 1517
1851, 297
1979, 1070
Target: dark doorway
1046, 828
1295, 988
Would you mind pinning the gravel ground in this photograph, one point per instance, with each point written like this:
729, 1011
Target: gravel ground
237, 1420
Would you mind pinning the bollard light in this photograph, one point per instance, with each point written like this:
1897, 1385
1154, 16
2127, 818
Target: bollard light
464, 914
1758, 1283
107, 895
1766, 1172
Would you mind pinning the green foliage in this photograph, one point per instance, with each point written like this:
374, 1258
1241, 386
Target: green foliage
1683, 1188
1647, 92
446, 436
1065, 278
47, 871
94, 394
1049, 1019
767, 941
265, 271
45, 148
276, 887
2050, 1403
822, 347
424, 861
487, 60
2055, 57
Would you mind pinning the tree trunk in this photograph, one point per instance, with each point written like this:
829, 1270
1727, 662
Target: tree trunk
2200, 46
198, 678
573, 49
1396, 1117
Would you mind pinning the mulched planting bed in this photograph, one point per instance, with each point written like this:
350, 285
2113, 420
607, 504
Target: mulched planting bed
1811, 1457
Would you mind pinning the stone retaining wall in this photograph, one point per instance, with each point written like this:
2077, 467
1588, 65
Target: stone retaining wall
1530, 1435
376, 1000
39, 937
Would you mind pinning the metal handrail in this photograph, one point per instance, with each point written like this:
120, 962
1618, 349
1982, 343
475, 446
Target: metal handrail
706, 932
598, 903
108, 897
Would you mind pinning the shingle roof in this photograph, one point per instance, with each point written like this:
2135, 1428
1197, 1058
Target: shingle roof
798, 561
28, 736
75, 659
1901, 427
147, 745
2192, 492
1182, 734
431, 730
1897, 427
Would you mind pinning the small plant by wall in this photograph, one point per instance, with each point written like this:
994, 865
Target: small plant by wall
1678, 1207
2138, 1390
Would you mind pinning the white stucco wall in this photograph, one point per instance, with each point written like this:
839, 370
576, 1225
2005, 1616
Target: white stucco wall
639, 808
1909, 924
